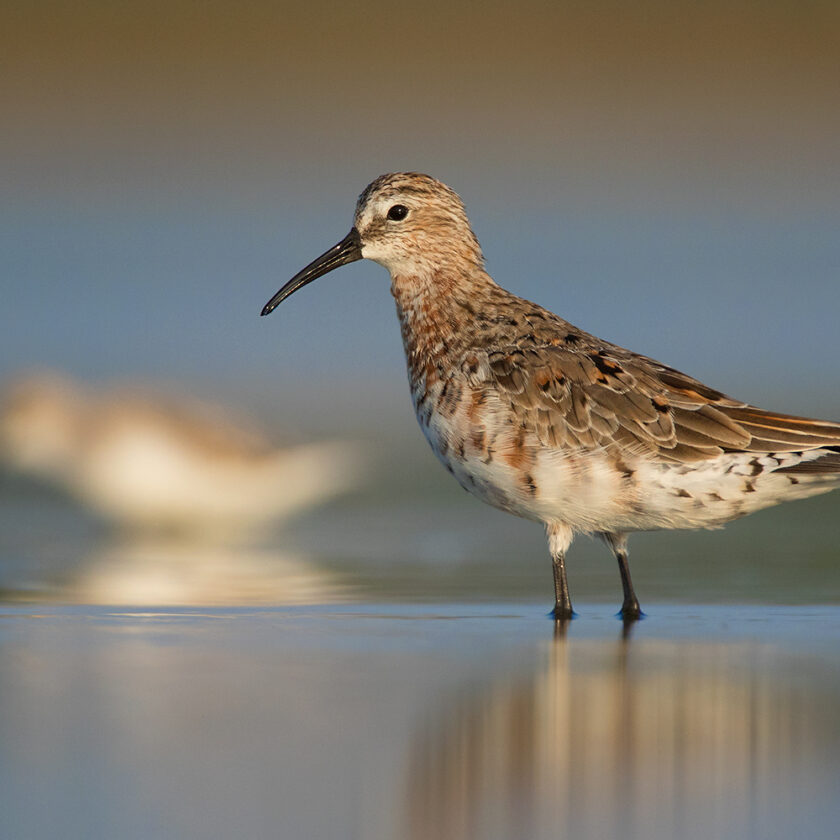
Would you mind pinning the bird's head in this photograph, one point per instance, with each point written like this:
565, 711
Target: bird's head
410, 223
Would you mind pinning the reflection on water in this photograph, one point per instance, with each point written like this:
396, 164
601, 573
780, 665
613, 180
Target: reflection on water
654, 739
391, 722
165, 572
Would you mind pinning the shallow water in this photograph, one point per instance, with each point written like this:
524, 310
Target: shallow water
409, 536
445, 721
428, 696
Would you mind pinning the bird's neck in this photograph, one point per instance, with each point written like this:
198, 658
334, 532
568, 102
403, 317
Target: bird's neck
438, 310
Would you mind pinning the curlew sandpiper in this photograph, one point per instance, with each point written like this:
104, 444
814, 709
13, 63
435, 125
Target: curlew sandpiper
541, 419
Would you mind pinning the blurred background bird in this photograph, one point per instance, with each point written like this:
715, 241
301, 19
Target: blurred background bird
168, 463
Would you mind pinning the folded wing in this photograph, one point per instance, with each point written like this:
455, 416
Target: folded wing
606, 397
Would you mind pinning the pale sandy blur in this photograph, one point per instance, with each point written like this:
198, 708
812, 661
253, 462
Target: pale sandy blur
150, 462
171, 572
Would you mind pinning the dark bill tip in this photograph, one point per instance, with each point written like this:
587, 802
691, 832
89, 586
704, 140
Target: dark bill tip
347, 251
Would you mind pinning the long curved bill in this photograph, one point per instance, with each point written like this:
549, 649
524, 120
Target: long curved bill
347, 251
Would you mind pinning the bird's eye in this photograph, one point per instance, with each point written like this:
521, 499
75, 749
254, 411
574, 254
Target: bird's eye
398, 212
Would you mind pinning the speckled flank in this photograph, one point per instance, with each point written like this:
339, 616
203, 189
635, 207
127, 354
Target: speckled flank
543, 420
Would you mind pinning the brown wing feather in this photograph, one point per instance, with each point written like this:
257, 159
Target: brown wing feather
601, 395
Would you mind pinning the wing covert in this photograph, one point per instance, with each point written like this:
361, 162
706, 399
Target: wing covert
597, 398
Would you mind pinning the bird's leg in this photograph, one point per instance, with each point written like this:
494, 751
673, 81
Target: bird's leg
562, 602
559, 539
630, 609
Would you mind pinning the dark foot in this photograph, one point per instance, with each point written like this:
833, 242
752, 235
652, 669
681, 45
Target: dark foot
631, 611
562, 613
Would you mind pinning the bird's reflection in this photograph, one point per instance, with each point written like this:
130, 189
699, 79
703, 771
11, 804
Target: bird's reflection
633, 737
168, 571
561, 627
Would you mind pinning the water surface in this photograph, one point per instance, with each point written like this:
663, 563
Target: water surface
446, 721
